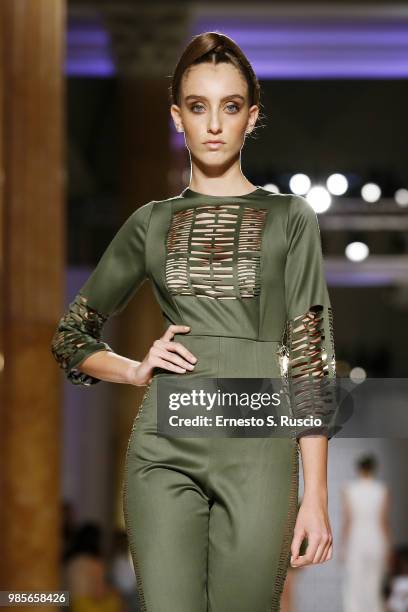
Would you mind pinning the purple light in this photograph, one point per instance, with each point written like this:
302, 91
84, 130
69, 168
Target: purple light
359, 279
97, 67
87, 37
337, 47
279, 47
88, 48
303, 69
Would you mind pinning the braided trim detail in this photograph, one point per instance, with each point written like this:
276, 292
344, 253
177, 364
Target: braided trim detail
308, 365
285, 553
79, 332
132, 548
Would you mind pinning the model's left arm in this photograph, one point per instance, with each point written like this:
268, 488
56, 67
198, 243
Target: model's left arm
308, 336
311, 373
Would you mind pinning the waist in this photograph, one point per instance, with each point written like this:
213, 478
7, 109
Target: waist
229, 356
217, 336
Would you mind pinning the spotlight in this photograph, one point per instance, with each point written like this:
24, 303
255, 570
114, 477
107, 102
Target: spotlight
370, 192
271, 187
357, 251
299, 184
401, 197
337, 184
319, 198
358, 375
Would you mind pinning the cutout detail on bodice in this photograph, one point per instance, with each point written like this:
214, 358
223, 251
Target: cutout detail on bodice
213, 251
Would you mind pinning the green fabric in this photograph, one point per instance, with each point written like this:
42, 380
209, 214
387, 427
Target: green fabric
210, 520
285, 268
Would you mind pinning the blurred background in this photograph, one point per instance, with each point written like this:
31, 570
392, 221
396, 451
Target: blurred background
86, 138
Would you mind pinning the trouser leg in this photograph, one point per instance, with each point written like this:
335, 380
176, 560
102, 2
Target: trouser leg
167, 522
255, 484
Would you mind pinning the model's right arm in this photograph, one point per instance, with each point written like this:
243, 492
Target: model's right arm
119, 273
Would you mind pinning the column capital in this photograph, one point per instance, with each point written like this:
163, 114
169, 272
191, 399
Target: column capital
146, 40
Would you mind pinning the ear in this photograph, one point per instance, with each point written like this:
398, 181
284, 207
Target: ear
176, 115
253, 116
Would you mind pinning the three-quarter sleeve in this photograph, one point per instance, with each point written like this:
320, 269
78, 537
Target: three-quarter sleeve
118, 275
308, 339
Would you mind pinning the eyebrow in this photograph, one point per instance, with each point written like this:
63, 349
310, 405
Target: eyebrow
222, 99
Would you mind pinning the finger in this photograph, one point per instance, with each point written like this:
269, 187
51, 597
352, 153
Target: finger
174, 358
166, 365
174, 329
295, 546
320, 551
326, 549
311, 549
177, 346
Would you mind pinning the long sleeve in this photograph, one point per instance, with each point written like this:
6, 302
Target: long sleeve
119, 273
308, 341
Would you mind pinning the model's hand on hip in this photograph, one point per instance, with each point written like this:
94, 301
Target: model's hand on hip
312, 523
166, 354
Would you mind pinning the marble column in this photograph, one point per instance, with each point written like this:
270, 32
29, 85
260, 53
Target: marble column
32, 284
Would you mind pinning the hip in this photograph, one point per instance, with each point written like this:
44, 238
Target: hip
228, 357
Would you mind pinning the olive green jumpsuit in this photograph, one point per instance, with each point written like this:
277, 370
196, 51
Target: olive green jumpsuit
210, 520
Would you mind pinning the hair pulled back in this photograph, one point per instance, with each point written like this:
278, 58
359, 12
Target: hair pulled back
214, 47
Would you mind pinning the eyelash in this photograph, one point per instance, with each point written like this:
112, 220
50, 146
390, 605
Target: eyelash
230, 104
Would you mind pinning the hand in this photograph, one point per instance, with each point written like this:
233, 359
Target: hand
164, 353
312, 522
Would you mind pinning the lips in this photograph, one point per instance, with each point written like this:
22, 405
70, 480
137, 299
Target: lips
214, 145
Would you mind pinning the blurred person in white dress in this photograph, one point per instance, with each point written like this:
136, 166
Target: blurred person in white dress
365, 546
398, 596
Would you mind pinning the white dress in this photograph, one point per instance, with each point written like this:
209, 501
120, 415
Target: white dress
365, 554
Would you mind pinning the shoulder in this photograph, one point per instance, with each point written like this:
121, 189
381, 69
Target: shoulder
143, 212
381, 486
139, 218
301, 218
299, 207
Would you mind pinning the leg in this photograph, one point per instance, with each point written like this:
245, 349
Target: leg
167, 523
166, 508
251, 524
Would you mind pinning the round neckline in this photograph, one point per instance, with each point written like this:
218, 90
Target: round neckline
190, 193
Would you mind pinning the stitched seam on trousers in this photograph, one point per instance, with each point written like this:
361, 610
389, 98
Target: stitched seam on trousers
284, 558
132, 548
208, 556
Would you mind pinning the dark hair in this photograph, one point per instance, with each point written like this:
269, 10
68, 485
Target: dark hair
368, 463
87, 540
214, 47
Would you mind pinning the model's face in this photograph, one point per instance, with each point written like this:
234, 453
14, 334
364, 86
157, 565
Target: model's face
214, 106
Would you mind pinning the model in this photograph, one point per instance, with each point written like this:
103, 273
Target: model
238, 273
366, 543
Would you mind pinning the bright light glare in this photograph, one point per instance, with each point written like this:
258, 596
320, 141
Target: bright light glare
401, 197
271, 187
358, 375
319, 198
337, 184
370, 192
356, 251
299, 184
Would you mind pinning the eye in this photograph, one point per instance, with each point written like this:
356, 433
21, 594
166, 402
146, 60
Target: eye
233, 105
197, 104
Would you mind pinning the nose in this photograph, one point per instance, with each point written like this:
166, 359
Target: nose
214, 125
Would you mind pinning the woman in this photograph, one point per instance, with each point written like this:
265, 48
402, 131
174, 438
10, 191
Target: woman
238, 274
366, 544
